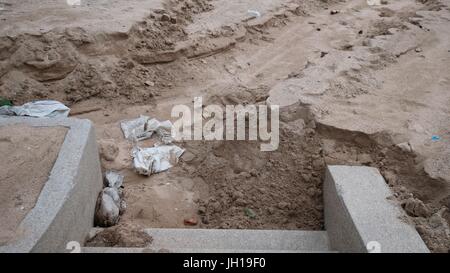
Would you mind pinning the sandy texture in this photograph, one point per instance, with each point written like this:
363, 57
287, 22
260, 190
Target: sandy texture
373, 78
27, 157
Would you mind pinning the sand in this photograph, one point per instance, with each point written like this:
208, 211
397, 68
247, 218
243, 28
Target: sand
27, 157
374, 78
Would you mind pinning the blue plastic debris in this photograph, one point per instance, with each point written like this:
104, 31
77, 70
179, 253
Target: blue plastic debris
435, 138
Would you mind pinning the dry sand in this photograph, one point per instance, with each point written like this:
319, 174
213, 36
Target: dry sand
27, 157
374, 80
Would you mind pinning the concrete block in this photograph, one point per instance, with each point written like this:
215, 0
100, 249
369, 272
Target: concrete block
65, 207
232, 240
357, 212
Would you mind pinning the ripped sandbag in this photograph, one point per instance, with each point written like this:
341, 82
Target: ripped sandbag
136, 129
162, 128
110, 203
143, 128
39, 109
147, 161
107, 212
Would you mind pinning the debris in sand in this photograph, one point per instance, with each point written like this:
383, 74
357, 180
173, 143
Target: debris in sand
113, 179
135, 129
156, 159
334, 11
374, 2
190, 222
73, 2
435, 138
254, 13
107, 212
163, 129
110, 203
39, 109
405, 146
149, 83
143, 127
5, 102
250, 213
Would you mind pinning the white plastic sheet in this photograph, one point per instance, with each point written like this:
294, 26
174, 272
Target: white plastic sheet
147, 161
39, 109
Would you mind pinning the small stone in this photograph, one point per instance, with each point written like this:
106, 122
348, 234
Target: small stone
283, 205
201, 210
334, 11
165, 18
187, 156
405, 146
149, 83
418, 49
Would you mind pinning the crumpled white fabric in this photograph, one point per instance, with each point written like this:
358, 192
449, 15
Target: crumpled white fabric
147, 161
39, 109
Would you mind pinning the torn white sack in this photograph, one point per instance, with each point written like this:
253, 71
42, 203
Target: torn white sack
113, 179
144, 127
147, 161
39, 109
135, 129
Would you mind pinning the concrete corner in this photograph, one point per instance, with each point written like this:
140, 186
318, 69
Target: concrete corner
65, 208
359, 216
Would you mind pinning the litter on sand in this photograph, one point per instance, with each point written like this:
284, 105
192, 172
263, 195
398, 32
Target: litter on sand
143, 127
374, 2
147, 161
435, 138
110, 203
135, 129
38, 109
113, 179
254, 13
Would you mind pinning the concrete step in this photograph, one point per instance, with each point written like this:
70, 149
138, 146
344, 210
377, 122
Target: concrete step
186, 250
239, 240
228, 241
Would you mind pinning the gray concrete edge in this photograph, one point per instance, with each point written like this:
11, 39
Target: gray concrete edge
52, 222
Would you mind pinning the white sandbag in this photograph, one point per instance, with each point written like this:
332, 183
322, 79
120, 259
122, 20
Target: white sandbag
156, 159
39, 109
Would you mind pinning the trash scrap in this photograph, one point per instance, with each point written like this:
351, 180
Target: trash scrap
435, 138
113, 179
190, 222
147, 161
254, 13
107, 212
5, 102
110, 203
374, 2
250, 213
135, 129
73, 2
144, 127
39, 109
